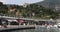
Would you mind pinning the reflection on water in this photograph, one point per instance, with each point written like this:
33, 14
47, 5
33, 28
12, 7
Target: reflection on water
39, 29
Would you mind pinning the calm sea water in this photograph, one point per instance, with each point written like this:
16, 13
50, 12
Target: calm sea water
39, 29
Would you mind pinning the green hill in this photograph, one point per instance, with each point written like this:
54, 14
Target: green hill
31, 10
50, 3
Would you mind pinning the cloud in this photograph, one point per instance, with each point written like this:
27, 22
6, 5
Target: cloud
19, 2
34, 1
1, 1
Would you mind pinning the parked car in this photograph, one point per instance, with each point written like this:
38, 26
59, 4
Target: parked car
58, 25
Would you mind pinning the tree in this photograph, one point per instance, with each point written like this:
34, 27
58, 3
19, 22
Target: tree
1, 3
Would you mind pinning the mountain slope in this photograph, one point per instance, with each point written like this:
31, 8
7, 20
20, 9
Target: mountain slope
55, 4
49, 2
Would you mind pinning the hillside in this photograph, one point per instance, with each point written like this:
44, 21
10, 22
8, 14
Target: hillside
32, 11
50, 3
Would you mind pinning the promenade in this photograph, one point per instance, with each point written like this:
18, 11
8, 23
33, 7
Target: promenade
17, 27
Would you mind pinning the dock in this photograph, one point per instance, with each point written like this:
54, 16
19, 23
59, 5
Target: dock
17, 27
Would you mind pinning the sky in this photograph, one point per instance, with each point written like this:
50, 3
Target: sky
19, 2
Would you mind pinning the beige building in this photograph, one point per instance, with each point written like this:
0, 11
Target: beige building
58, 20
13, 11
